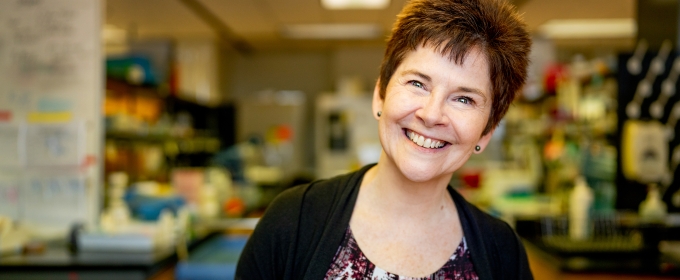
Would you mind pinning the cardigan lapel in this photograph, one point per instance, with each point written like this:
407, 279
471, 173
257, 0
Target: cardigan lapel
473, 232
339, 200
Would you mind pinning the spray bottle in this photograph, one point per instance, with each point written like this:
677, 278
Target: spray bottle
580, 203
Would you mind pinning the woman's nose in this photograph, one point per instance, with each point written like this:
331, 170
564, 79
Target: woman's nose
431, 112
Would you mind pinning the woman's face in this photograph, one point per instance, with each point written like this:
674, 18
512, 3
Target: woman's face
434, 113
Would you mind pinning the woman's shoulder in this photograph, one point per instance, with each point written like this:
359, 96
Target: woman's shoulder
482, 219
321, 192
324, 190
284, 210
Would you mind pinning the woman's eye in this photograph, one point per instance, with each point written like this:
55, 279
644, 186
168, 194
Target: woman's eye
417, 84
464, 100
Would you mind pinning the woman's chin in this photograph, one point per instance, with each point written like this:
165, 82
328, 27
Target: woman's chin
420, 174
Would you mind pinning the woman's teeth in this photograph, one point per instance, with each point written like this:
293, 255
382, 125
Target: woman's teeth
424, 142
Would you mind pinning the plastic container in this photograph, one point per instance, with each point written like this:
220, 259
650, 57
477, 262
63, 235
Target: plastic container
580, 205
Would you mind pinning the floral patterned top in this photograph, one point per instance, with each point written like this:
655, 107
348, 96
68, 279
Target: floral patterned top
350, 263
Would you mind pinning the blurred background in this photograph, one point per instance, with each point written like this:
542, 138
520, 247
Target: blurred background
143, 139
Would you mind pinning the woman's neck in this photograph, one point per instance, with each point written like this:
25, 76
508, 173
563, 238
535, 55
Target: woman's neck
389, 192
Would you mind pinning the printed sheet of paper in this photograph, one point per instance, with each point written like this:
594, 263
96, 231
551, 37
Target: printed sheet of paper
54, 145
9, 196
56, 200
51, 88
10, 139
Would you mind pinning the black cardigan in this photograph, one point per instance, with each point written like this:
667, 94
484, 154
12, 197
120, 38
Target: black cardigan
303, 227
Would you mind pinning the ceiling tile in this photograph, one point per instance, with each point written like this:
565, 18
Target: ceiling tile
242, 16
297, 11
537, 12
155, 18
259, 21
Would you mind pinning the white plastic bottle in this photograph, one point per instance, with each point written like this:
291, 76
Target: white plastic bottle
116, 217
653, 209
580, 203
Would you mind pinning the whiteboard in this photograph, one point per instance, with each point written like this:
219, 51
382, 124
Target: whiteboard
51, 80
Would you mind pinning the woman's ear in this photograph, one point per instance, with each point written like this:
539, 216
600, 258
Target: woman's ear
484, 141
377, 100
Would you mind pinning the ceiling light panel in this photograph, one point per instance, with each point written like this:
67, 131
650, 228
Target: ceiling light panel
589, 28
355, 4
331, 31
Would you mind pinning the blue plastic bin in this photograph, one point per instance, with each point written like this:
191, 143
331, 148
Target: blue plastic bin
214, 259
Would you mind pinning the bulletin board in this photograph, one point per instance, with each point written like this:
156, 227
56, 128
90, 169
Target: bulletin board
648, 120
51, 90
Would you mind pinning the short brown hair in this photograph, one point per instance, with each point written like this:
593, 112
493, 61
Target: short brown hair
457, 26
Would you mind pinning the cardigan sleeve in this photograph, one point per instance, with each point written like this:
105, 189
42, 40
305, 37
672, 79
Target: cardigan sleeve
272, 244
514, 249
524, 268
496, 250
504, 250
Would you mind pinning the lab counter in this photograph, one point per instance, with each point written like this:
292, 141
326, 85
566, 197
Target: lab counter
212, 254
548, 264
58, 262
585, 260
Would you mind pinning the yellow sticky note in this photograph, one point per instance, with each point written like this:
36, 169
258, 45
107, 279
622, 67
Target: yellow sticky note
49, 117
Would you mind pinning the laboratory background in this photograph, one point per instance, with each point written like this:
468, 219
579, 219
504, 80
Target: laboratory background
144, 139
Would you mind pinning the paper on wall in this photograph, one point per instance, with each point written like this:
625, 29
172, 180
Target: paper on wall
9, 197
10, 152
54, 200
54, 144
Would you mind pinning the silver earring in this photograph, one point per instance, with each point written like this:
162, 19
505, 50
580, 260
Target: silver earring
379, 113
478, 148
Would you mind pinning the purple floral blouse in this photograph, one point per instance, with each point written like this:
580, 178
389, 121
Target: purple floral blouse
350, 263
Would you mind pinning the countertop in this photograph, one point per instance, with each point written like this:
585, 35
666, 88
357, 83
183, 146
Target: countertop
56, 261
644, 262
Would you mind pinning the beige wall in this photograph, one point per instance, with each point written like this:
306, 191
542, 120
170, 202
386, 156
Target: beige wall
312, 72
304, 71
362, 63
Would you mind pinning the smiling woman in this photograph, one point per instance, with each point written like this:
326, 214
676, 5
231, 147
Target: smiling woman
434, 100
450, 71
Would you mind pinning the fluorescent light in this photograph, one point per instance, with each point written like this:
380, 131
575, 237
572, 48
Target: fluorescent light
113, 35
354, 4
331, 31
589, 28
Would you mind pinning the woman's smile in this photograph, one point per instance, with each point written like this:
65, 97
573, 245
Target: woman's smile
424, 141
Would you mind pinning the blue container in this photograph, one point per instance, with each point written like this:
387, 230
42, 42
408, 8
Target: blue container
149, 208
214, 259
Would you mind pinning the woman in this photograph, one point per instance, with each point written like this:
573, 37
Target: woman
450, 71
